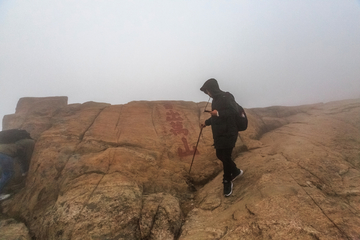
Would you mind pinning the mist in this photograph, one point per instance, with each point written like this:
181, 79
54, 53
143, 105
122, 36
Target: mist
265, 52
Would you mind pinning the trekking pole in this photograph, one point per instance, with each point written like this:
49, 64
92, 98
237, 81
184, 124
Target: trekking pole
206, 106
198, 138
195, 149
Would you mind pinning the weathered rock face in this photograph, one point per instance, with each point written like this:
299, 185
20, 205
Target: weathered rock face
96, 167
13, 230
102, 171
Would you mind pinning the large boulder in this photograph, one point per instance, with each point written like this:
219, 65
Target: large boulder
96, 165
102, 171
302, 183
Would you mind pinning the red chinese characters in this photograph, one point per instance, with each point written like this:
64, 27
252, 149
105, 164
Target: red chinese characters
177, 128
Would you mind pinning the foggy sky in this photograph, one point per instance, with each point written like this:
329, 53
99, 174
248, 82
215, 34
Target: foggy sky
266, 52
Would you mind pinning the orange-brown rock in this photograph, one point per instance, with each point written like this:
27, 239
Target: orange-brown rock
11, 229
102, 171
34, 114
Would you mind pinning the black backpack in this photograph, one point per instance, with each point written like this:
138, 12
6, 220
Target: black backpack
241, 119
13, 135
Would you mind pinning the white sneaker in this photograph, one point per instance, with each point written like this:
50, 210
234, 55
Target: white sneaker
228, 188
240, 173
4, 196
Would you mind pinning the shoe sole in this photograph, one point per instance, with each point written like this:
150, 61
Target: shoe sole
227, 195
5, 197
240, 174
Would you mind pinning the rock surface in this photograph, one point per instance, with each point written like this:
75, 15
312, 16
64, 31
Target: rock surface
102, 171
10, 229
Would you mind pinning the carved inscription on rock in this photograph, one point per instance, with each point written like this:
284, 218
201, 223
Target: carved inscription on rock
176, 124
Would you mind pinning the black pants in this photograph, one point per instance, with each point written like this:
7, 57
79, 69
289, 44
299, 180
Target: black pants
230, 168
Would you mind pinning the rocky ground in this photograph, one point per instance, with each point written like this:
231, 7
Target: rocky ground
102, 171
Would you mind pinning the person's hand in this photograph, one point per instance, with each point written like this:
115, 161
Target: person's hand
202, 125
214, 113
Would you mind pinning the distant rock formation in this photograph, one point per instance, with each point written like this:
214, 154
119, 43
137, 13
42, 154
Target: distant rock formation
102, 171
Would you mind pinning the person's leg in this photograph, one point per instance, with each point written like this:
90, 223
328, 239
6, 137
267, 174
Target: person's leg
7, 166
230, 168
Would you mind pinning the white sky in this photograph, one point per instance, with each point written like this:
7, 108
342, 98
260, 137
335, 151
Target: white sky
266, 52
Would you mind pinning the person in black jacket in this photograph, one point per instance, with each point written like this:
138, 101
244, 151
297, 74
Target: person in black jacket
224, 130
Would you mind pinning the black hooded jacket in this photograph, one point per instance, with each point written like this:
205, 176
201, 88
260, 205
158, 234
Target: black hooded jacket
223, 127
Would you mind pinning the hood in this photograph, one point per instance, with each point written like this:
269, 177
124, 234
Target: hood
212, 86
